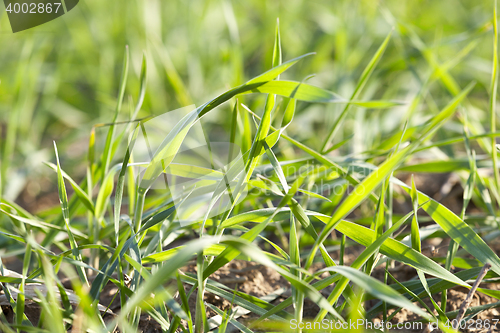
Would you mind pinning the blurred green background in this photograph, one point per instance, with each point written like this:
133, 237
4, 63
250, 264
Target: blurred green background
59, 79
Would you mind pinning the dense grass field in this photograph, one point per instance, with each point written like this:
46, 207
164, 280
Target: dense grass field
254, 166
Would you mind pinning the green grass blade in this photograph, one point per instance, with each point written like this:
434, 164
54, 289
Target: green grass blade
106, 156
377, 288
230, 253
121, 183
80, 193
163, 274
256, 254
308, 93
360, 261
395, 250
415, 229
298, 296
277, 46
142, 89
105, 192
277, 168
493, 98
20, 316
322, 159
63, 198
185, 303
459, 231
359, 87
384, 170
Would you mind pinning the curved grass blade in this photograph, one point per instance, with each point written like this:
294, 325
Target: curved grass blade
248, 302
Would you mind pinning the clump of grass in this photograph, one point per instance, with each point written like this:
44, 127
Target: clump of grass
94, 240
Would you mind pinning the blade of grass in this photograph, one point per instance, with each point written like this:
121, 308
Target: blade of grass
63, 198
106, 156
459, 231
375, 178
121, 183
493, 98
359, 87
